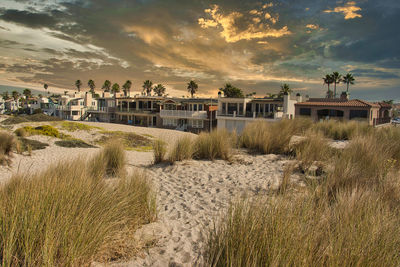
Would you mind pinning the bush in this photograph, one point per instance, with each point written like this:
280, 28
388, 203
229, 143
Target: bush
27, 144
29, 118
73, 143
46, 130
7, 143
76, 126
66, 216
215, 145
21, 132
182, 150
266, 138
159, 151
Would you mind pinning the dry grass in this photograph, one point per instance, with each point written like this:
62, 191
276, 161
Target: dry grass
111, 161
159, 151
69, 216
215, 145
182, 150
76, 126
338, 130
130, 141
272, 138
29, 118
7, 143
349, 217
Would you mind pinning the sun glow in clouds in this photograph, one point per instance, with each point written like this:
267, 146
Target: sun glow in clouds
231, 34
349, 10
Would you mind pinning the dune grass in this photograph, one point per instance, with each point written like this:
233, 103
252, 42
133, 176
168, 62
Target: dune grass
29, 118
159, 151
7, 143
272, 138
215, 145
69, 215
338, 130
73, 143
348, 217
46, 130
182, 150
130, 141
76, 126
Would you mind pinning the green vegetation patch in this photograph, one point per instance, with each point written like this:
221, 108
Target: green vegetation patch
76, 126
73, 143
27, 144
29, 118
46, 130
131, 141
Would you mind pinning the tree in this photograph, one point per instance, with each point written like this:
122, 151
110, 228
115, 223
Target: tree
15, 95
127, 87
40, 95
251, 94
115, 88
66, 92
106, 86
348, 79
6, 96
390, 102
45, 86
27, 93
328, 79
285, 90
91, 86
78, 85
159, 89
231, 91
147, 87
192, 87
337, 78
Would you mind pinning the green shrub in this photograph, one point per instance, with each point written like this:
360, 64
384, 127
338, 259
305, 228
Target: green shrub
46, 130
159, 151
66, 216
27, 144
182, 150
215, 145
76, 126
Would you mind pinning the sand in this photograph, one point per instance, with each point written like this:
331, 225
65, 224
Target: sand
191, 195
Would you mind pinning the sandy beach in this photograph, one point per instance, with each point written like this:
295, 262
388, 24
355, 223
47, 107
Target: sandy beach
190, 194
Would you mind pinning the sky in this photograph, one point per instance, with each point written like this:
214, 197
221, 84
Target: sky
255, 45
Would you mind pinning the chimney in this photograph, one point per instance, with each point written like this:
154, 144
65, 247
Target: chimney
344, 96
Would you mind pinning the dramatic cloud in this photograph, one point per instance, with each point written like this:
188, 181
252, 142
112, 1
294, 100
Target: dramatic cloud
232, 31
349, 10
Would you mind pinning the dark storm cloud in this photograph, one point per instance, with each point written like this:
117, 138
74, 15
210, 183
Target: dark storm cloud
33, 20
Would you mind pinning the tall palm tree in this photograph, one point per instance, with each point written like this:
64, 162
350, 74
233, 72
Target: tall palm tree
78, 85
285, 89
328, 79
15, 95
115, 88
127, 87
192, 87
45, 86
147, 87
348, 79
106, 86
91, 86
27, 93
65, 92
159, 89
337, 78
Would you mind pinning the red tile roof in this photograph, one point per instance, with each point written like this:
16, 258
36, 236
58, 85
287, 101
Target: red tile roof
338, 103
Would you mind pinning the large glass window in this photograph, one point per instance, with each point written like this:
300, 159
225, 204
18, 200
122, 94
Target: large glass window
358, 114
305, 111
232, 107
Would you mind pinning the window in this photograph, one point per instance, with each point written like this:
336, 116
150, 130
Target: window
75, 112
196, 123
194, 107
358, 114
305, 111
240, 108
232, 107
200, 107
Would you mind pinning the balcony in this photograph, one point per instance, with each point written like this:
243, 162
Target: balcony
183, 114
252, 115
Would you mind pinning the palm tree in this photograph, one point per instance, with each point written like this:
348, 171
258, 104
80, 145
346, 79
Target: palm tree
231, 91
91, 86
15, 95
127, 87
115, 88
27, 93
337, 78
285, 89
192, 87
147, 87
66, 92
106, 86
159, 89
45, 86
78, 85
328, 79
348, 79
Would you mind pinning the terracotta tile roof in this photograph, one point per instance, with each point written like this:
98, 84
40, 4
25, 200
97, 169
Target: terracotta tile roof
338, 103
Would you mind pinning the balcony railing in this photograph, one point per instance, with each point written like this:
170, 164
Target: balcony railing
255, 115
183, 114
